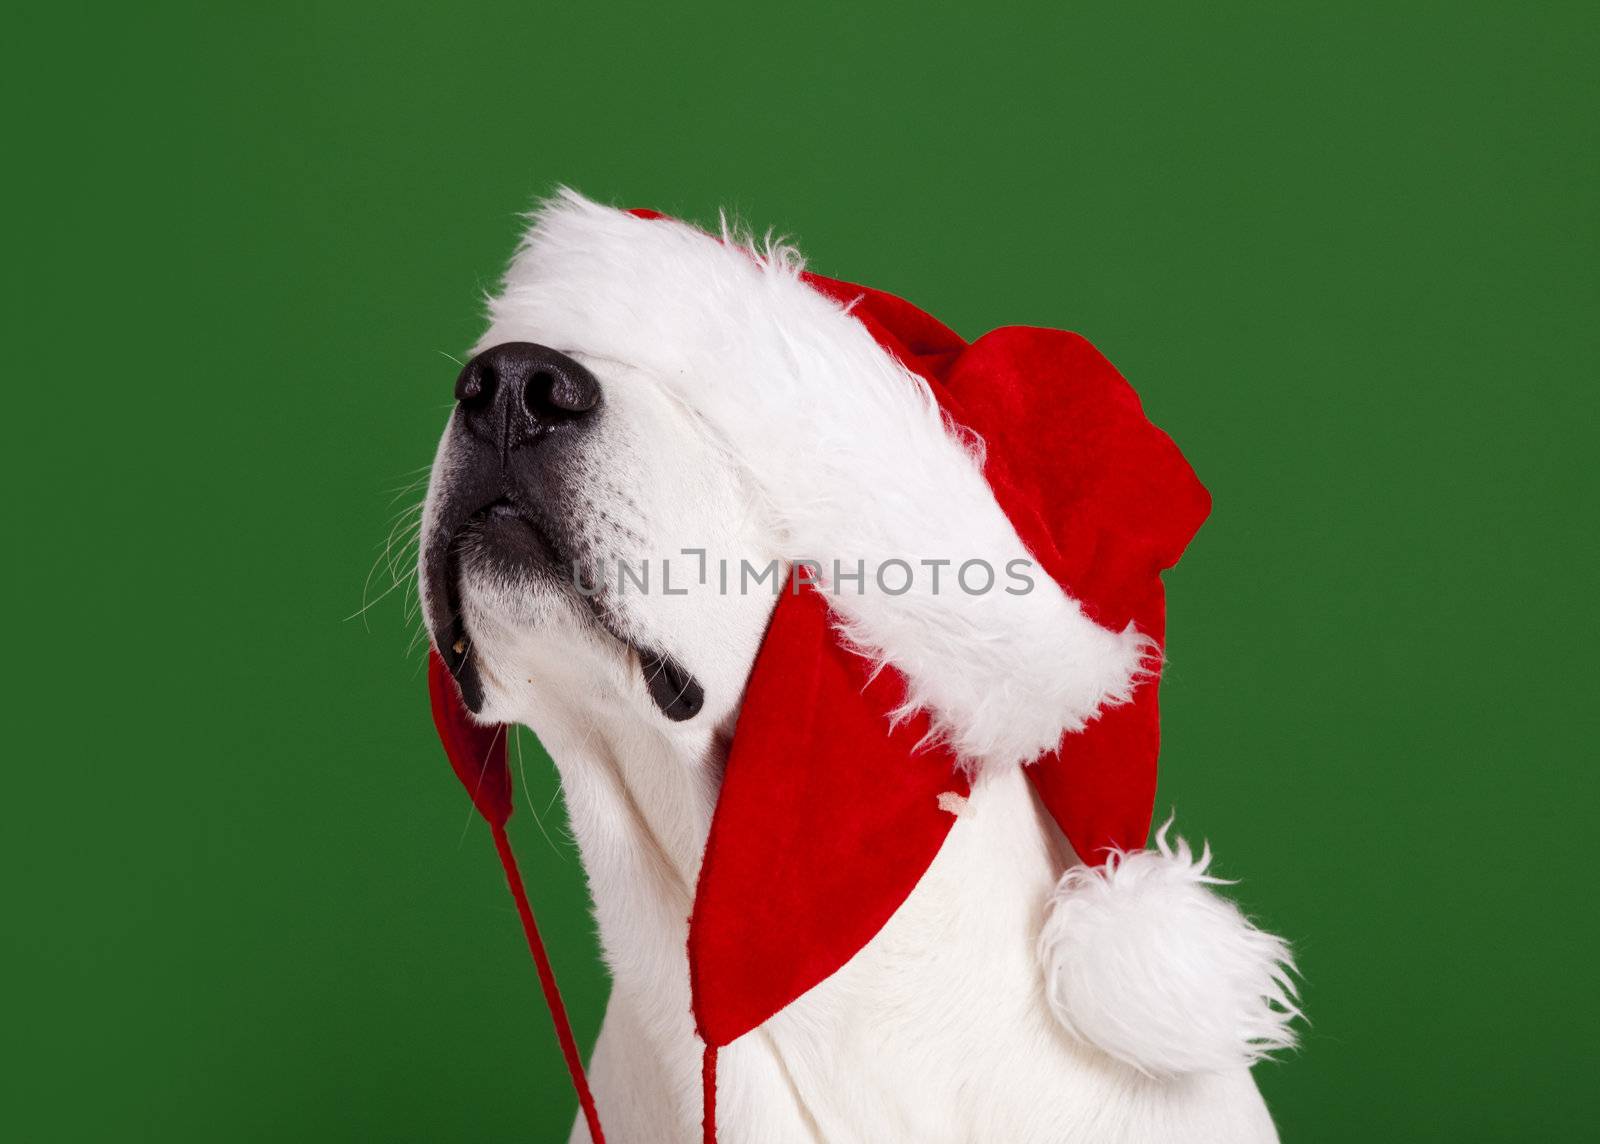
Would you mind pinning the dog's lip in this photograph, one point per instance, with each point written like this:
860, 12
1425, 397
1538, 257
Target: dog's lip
443, 572
671, 686
455, 646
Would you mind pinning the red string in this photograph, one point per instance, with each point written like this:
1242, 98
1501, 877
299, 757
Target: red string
708, 1079
547, 981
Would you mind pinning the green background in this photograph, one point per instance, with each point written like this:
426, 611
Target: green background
1347, 253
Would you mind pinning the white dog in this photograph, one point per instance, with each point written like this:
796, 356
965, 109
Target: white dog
634, 434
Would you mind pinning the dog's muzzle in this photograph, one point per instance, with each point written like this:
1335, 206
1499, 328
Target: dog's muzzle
516, 404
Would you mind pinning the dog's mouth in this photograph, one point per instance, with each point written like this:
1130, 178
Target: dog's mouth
497, 532
500, 537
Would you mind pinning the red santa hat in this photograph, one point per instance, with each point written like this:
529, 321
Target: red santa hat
878, 437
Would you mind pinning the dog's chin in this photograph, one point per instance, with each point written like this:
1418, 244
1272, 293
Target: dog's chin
514, 570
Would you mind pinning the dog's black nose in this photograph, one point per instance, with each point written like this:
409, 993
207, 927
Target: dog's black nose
512, 393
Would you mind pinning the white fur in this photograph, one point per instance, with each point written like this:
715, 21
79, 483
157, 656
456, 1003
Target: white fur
849, 455
937, 1032
730, 391
1144, 961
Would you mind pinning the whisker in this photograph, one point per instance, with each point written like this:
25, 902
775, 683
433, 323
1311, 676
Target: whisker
527, 795
405, 529
409, 487
366, 607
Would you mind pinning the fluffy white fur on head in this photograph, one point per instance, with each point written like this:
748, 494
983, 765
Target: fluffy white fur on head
851, 457
1145, 962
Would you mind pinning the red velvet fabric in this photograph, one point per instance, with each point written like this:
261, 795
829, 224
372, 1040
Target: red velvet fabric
1104, 501
828, 817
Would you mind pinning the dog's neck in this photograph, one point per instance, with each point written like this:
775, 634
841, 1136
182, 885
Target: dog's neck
640, 802
640, 795
946, 1000
639, 791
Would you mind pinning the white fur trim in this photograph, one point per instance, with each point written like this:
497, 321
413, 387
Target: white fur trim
850, 454
1145, 962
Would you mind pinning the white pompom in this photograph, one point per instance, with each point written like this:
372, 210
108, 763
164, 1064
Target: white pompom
1147, 963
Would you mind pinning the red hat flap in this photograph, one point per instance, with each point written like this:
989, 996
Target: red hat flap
477, 752
827, 819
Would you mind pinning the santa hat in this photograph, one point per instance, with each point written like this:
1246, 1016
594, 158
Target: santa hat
878, 437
